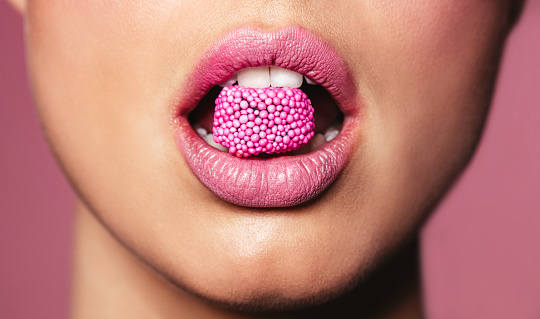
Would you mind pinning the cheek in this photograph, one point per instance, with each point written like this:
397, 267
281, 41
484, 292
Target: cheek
429, 48
425, 71
102, 86
431, 70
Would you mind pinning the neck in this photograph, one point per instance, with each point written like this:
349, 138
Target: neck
109, 282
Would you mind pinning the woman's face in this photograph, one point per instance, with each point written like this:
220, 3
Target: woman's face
115, 80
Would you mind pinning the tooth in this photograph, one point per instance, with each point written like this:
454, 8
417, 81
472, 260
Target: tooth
229, 82
316, 142
210, 140
201, 131
310, 81
254, 77
330, 133
285, 78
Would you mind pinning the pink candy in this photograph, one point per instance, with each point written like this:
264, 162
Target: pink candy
272, 120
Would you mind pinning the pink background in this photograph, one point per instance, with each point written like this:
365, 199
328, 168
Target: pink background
481, 250
35, 201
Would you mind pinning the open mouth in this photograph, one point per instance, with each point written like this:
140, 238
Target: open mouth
328, 119
246, 59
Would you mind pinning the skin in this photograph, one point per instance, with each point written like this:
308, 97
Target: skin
105, 75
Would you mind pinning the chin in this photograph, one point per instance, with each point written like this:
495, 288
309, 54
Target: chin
271, 297
263, 286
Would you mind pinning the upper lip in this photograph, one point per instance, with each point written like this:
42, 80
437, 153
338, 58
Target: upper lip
280, 181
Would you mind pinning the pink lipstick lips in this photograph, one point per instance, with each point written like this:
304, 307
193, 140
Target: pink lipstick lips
268, 182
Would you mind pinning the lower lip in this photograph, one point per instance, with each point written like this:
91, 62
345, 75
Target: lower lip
269, 182
265, 182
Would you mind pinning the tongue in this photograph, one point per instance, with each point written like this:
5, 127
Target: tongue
272, 120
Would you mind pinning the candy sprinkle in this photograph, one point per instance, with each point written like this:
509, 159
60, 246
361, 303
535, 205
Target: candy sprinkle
272, 120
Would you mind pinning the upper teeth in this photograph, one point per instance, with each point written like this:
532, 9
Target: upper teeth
230, 81
264, 77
